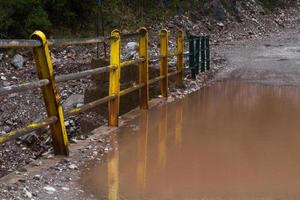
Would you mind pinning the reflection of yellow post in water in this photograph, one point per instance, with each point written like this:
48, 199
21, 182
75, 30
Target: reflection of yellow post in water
178, 125
162, 131
142, 151
113, 171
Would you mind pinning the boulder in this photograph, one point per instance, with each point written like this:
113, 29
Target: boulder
73, 101
18, 61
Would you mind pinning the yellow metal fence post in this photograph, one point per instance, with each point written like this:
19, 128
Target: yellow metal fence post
143, 68
114, 79
179, 64
164, 38
50, 93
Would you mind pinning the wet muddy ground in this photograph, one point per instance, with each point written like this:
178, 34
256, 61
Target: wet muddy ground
273, 60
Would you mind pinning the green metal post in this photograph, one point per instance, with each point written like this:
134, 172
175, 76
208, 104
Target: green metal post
192, 56
202, 54
197, 55
207, 52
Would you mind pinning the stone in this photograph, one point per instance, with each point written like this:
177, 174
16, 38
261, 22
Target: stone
18, 61
131, 46
29, 139
73, 100
73, 167
27, 193
220, 24
49, 189
5, 84
218, 10
37, 177
130, 50
65, 188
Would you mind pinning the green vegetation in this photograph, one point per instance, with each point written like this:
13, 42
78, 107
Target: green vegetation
19, 18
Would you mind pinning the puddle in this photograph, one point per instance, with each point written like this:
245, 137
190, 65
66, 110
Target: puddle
229, 141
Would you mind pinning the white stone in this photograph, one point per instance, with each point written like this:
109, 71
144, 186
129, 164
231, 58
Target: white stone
50, 189
27, 193
73, 166
65, 188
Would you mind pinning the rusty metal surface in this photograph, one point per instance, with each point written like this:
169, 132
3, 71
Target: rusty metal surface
29, 128
75, 41
131, 89
132, 62
88, 106
22, 87
173, 73
23, 43
83, 74
11, 43
130, 35
154, 80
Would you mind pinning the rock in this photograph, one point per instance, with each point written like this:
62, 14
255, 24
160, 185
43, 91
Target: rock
50, 189
67, 123
73, 101
218, 10
3, 78
5, 83
50, 156
73, 140
6, 129
170, 99
9, 122
22, 169
27, 193
95, 153
73, 167
18, 61
37, 163
220, 24
65, 188
131, 50
54, 60
29, 139
37, 177
132, 46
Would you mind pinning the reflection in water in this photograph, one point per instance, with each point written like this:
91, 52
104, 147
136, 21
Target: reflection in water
178, 124
113, 171
142, 152
228, 141
162, 131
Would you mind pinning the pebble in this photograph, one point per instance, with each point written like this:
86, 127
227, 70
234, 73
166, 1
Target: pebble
37, 177
50, 156
27, 193
50, 189
65, 188
73, 167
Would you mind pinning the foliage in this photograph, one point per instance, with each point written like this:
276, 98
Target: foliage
19, 18
271, 4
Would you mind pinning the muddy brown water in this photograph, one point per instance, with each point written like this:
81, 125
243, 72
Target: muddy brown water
232, 140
